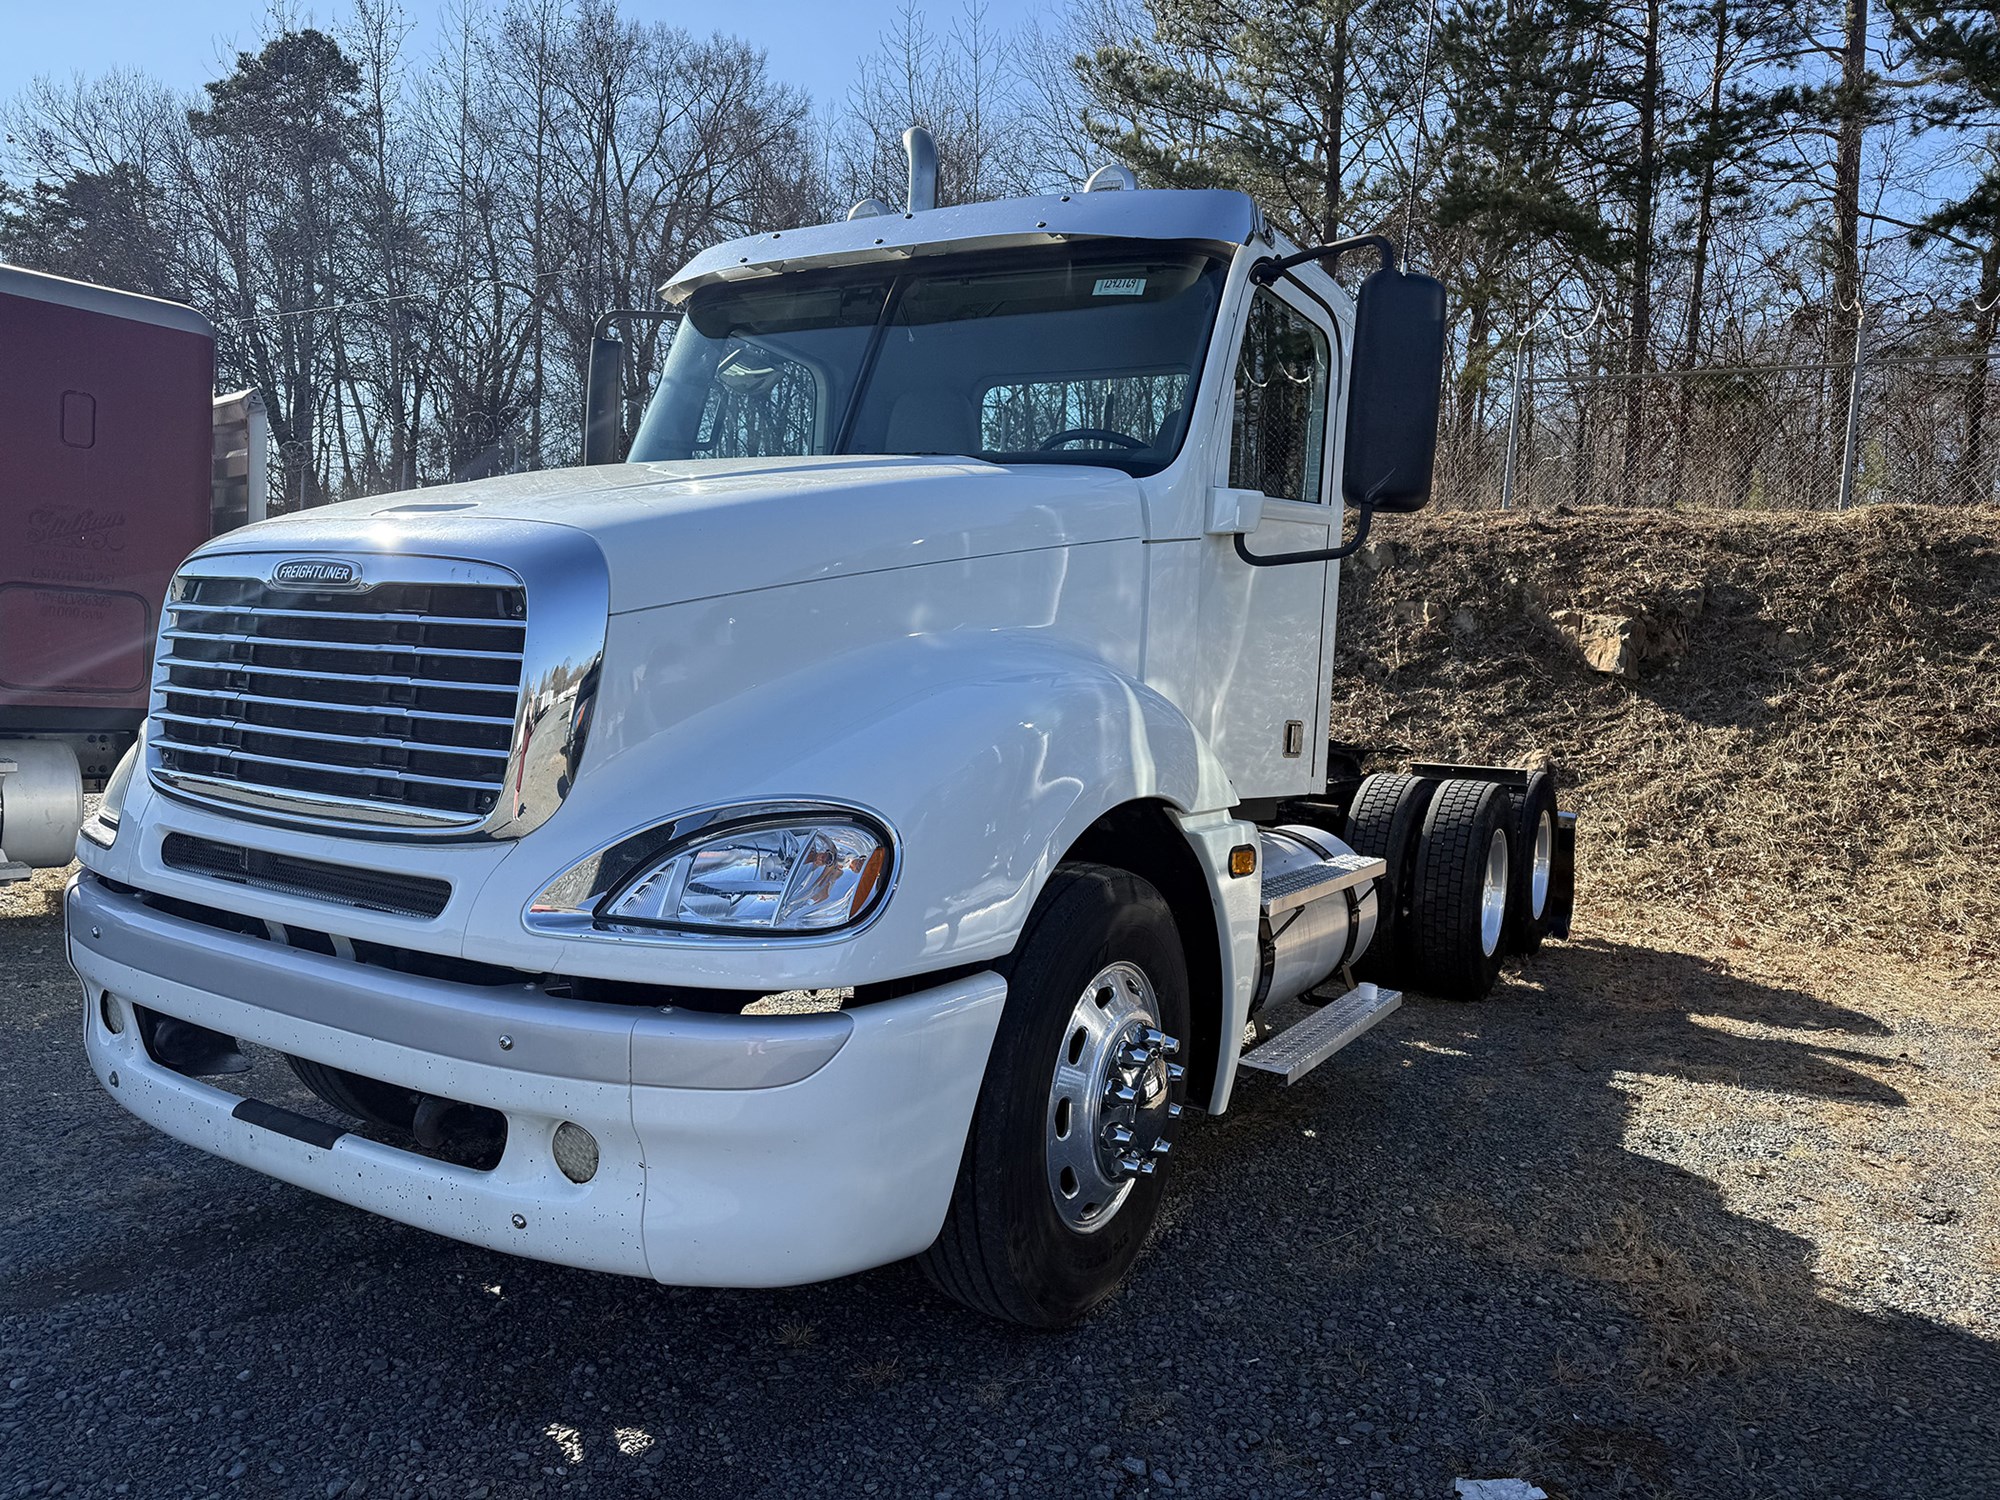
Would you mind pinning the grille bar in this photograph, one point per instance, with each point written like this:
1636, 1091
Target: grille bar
387, 742
366, 677
232, 638
400, 617
226, 754
502, 721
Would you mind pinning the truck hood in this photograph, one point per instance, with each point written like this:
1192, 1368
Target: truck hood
674, 532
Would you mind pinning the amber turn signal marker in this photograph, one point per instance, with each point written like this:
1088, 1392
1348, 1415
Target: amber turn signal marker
1243, 860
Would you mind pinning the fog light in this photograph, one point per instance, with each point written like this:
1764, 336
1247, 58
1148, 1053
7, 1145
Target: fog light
576, 1152
108, 1012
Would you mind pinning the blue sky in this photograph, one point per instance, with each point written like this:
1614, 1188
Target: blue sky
812, 43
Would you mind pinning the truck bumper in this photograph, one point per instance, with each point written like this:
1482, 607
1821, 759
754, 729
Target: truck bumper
733, 1150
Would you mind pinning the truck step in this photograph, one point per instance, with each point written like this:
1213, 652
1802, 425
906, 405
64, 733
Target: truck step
1321, 878
1297, 1050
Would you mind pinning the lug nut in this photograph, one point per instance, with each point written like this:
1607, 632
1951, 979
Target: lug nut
1173, 1111
1167, 1044
1161, 1146
1175, 1072
1135, 1057
1123, 1094
1119, 1135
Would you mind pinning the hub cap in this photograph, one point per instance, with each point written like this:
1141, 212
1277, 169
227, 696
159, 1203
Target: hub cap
1109, 1100
1538, 873
1493, 893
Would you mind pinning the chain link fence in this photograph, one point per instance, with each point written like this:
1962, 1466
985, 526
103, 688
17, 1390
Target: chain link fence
1909, 429
1913, 428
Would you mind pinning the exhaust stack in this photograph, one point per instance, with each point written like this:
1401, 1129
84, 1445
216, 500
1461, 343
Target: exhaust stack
921, 149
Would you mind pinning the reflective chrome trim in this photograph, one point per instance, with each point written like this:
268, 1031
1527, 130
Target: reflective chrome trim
495, 688
1493, 893
1107, 1098
440, 747
567, 906
1538, 879
362, 616
566, 587
374, 648
182, 690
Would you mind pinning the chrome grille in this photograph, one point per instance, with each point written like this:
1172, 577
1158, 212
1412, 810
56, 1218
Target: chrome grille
400, 697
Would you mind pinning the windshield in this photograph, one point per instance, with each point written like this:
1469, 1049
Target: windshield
1069, 355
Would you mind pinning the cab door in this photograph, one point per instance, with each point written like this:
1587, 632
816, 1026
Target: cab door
1263, 629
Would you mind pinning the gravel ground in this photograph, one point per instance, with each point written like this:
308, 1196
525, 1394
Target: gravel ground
1650, 1222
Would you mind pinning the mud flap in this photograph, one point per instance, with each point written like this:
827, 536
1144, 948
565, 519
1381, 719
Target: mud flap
1562, 875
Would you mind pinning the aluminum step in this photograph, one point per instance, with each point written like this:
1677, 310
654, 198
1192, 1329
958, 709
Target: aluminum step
1298, 1049
1321, 878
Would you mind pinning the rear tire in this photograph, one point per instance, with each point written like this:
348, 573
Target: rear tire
1385, 820
1015, 1244
1531, 850
1459, 901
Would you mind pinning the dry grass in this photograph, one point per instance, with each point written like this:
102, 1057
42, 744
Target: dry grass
879, 1374
1812, 751
796, 1335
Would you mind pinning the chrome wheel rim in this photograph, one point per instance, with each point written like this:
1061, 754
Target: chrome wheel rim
1109, 1101
1493, 893
1538, 872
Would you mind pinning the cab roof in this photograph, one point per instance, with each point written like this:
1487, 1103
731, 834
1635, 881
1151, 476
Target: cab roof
1213, 215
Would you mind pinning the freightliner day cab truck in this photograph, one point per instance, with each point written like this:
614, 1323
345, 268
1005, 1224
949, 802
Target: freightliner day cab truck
872, 820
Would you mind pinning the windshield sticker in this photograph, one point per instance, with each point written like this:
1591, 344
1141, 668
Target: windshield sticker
1119, 286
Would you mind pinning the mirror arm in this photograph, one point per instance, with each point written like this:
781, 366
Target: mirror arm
1269, 270
1324, 554
656, 314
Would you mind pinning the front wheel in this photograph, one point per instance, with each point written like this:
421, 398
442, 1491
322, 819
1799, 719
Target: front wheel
1064, 1166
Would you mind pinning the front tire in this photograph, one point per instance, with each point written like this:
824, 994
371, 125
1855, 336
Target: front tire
367, 1099
1065, 1163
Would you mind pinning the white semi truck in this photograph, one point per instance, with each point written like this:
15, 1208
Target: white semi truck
871, 820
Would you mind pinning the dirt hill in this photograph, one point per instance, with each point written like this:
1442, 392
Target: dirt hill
1792, 722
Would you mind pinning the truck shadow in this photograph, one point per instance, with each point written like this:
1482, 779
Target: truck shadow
1672, 1341
1471, 1244
1468, 1235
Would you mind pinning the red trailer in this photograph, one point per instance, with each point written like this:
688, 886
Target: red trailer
105, 475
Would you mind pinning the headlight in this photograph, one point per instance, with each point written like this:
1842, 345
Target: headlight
102, 829
797, 869
789, 877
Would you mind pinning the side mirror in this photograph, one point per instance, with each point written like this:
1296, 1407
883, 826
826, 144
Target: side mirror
1394, 384
602, 398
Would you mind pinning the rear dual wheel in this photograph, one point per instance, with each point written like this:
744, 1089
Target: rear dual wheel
1459, 889
1385, 820
1065, 1162
1532, 825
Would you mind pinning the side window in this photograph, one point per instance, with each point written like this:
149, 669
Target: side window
1279, 438
760, 405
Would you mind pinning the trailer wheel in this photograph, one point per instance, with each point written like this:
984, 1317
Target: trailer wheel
367, 1099
1384, 820
1459, 900
1065, 1162
1531, 857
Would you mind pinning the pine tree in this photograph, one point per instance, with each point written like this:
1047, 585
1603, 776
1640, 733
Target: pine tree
1961, 45
1261, 95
